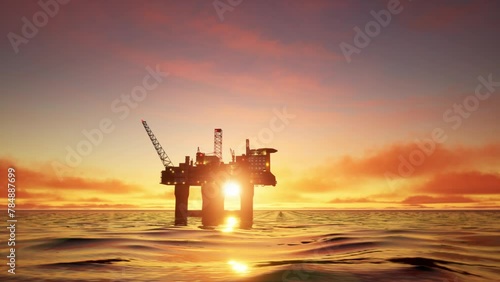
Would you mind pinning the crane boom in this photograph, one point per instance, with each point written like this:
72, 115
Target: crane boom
161, 153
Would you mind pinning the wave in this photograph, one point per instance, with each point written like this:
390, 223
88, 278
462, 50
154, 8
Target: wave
296, 246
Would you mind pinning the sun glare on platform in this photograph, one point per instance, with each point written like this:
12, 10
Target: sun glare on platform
231, 189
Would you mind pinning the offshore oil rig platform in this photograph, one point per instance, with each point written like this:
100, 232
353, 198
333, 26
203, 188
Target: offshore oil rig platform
208, 171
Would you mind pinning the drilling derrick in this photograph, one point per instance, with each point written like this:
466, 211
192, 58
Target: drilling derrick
208, 171
218, 143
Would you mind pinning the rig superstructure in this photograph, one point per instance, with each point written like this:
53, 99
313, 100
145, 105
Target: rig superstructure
208, 171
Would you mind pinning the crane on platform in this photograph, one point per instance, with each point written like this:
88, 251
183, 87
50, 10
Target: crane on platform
159, 149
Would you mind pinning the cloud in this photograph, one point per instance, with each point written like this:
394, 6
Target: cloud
32, 193
243, 37
285, 194
356, 200
255, 43
315, 183
274, 69
423, 199
465, 183
390, 159
93, 199
447, 176
266, 79
113, 186
167, 195
454, 16
42, 183
75, 206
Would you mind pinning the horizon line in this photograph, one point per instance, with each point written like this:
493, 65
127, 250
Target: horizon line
285, 209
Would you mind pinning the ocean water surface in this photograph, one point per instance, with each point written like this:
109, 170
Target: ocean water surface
282, 246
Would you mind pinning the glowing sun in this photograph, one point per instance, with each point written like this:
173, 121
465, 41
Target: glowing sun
231, 189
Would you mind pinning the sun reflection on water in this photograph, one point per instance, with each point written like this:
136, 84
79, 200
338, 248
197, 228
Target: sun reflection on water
231, 224
238, 267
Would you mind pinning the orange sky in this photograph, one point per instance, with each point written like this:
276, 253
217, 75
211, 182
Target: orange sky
410, 121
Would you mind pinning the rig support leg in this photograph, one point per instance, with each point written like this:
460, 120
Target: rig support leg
181, 204
213, 204
246, 205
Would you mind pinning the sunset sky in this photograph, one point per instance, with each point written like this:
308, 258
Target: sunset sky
408, 120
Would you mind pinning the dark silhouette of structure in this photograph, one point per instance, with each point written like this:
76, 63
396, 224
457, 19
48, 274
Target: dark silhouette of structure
209, 172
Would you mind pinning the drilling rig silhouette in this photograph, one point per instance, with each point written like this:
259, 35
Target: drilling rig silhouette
208, 171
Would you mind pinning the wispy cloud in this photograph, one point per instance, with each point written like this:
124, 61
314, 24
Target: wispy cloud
41, 183
463, 183
453, 16
441, 178
423, 199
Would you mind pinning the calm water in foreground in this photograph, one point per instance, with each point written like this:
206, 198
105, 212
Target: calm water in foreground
291, 246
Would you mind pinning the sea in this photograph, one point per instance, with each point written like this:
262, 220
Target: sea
287, 245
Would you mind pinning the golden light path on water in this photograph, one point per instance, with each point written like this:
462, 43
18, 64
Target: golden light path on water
238, 267
231, 224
